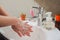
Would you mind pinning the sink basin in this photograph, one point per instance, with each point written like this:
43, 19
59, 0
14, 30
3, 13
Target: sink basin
38, 33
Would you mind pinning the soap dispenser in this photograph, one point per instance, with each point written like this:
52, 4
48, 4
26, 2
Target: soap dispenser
49, 22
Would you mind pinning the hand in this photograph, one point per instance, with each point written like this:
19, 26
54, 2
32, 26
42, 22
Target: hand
22, 31
16, 30
27, 29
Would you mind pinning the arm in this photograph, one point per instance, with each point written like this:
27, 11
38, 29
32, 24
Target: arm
16, 25
6, 21
3, 12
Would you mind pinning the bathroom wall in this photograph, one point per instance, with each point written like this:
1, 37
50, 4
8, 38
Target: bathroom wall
15, 7
50, 5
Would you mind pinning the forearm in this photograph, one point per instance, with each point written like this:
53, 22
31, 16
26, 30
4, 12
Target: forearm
6, 21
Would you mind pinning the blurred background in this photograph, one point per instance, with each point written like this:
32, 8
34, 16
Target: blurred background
16, 7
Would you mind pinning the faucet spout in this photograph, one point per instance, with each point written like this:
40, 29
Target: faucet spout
40, 15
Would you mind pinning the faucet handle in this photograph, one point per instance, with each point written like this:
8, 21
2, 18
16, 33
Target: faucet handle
35, 16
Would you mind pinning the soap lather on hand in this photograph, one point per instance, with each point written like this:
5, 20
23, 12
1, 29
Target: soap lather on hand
25, 30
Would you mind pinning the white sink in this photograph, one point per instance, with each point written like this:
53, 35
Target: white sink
37, 34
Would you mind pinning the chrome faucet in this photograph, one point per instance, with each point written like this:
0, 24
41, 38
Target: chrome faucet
39, 9
40, 15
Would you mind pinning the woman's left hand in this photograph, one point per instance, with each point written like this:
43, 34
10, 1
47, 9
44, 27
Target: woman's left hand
24, 30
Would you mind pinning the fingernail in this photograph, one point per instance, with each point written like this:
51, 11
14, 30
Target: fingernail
31, 31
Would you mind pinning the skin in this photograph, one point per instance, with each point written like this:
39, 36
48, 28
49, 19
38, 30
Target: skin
17, 25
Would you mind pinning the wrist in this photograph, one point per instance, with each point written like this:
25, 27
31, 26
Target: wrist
16, 21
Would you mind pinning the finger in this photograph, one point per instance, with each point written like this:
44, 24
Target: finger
19, 33
23, 32
27, 33
27, 25
18, 27
30, 30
